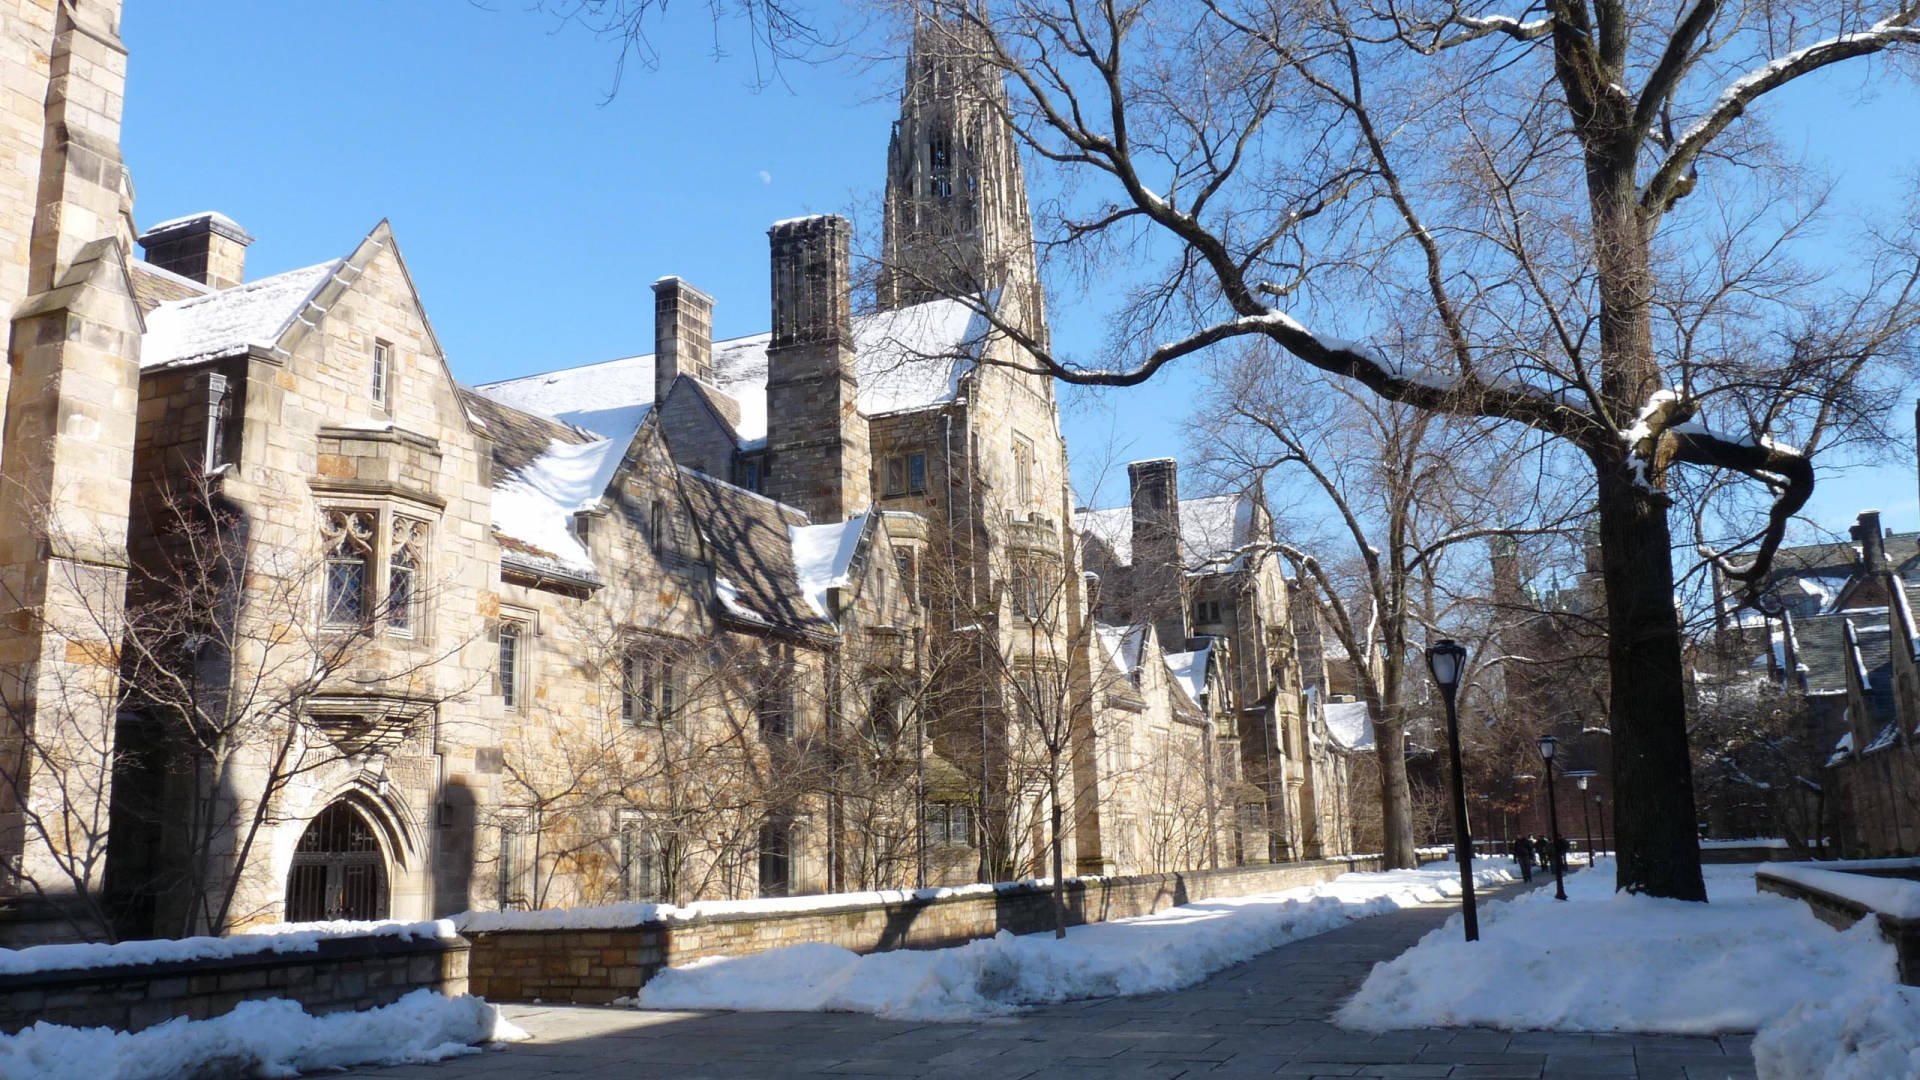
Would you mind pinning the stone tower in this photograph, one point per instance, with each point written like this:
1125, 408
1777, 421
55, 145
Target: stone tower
1159, 585
957, 220
818, 456
66, 450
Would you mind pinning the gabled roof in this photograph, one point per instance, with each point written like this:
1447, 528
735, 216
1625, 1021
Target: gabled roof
751, 537
911, 358
231, 321
543, 473
1215, 531
153, 285
1123, 645
1189, 671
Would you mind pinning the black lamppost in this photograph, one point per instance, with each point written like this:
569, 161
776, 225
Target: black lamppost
1548, 744
1446, 659
1600, 808
1586, 819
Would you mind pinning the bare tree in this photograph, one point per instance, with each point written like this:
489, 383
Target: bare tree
1518, 206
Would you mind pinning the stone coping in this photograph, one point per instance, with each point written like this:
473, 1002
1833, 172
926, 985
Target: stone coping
906, 899
326, 950
1822, 886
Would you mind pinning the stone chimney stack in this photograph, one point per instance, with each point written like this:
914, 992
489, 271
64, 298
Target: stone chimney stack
682, 334
818, 456
209, 247
1873, 548
1159, 578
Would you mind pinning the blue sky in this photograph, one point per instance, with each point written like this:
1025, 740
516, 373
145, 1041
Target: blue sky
535, 217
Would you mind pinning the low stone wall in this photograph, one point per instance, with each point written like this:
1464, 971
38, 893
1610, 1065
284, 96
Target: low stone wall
340, 974
1842, 912
596, 966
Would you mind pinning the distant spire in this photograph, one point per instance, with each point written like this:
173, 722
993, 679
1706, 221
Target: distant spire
957, 219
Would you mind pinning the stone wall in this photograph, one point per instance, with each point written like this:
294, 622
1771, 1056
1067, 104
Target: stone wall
339, 975
596, 966
1842, 912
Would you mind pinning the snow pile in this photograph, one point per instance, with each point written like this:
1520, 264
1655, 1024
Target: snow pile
276, 938
1871, 1036
260, 1038
1164, 951
1607, 962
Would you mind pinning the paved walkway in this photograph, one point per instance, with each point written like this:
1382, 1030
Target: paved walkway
1264, 1018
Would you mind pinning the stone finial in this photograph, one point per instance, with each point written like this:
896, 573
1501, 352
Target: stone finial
682, 334
208, 247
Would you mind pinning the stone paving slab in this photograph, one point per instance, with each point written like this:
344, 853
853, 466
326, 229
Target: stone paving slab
1266, 1018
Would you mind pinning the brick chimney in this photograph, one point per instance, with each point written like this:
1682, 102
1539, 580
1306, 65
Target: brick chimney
1873, 548
818, 456
682, 334
208, 247
1159, 579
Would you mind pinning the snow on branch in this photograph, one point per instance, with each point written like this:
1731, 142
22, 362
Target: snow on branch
1666, 186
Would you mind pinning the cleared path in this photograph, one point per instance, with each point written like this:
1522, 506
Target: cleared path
1264, 1018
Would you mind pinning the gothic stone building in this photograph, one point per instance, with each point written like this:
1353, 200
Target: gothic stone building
1199, 578
296, 626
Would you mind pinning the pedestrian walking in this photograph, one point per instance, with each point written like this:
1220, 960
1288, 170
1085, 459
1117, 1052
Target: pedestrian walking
1523, 853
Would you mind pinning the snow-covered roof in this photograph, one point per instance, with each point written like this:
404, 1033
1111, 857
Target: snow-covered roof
232, 320
910, 358
1123, 645
823, 557
1190, 671
537, 504
1349, 723
1841, 750
1215, 531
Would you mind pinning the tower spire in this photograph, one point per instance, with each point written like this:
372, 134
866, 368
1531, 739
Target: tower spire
957, 220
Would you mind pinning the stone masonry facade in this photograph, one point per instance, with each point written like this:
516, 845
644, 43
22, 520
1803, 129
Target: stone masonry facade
296, 626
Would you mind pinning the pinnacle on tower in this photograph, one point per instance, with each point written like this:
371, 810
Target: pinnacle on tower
957, 221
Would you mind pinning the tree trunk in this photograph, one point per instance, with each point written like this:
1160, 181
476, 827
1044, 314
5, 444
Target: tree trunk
1059, 882
1659, 851
1396, 801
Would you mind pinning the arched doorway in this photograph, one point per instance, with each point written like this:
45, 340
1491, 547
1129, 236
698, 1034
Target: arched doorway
339, 871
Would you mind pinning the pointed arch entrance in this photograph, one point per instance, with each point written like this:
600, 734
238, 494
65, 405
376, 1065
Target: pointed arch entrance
339, 870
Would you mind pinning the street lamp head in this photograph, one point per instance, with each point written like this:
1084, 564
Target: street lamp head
1445, 659
1548, 744
1583, 783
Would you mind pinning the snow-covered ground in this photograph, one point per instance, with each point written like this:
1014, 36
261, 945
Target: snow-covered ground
1826, 1003
999, 975
259, 1039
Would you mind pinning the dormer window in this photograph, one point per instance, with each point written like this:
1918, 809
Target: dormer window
382, 372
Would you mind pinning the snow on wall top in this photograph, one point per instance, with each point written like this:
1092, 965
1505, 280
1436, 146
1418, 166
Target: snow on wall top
823, 557
232, 320
910, 358
1888, 896
1214, 531
1190, 671
276, 938
1349, 723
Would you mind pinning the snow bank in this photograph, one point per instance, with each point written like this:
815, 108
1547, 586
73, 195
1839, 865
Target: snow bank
260, 1038
1897, 897
1607, 962
999, 975
1872, 1036
275, 938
